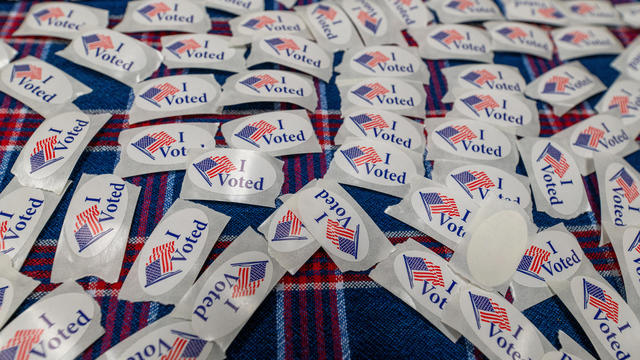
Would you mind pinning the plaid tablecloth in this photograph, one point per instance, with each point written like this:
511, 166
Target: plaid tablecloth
319, 312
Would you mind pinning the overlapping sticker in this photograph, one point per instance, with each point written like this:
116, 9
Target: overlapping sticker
202, 51
628, 62
375, 25
581, 40
400, 96
622, 96
517, 37
330, 26
61, 19
454, 11
411, 13
452, 41
538, 11
591, 12
14, 289
252, 25
487, 77
165, 15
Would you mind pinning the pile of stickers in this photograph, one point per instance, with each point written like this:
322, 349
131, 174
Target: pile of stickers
474, 202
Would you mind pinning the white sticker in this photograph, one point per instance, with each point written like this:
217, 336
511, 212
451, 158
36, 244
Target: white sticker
551, 255
498, 108
384, 61
600, 133
60, 19
592, 12
38, 81
487, 77
368, 17
331, 21
412, 13
95, 215
621, 193
520, 38
236, 289
456, 42
386, 94
204, 51
557, 176
442, 210
630, 13
269, 22
287, 233
111, 50
384, 126
480, 182
172, 250
622, 96
564, 83
608, 317
271, 83
538, 11
20, 212
167, 13
471, 140
55, 146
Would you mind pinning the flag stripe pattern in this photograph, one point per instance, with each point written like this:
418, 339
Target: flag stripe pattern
490, 312
533, 258
437, 203
474, 180
598, 298
250, 276
422, 270
24, 340
89, 217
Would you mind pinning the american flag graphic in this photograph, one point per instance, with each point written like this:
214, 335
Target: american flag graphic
255, 131
455, 134
478, 78
185, 347
366, 122
512, 32
368, 21
551, 13
280, 44
20, 345
46, 14
250, 276
574, 37
157, 93
358, 155
151, 143
598, 298
181, 46
555, 85
447, 37
96, 41
554, 157
635, 244
259, 22
326, 11
581, 8
2, 293
371, 59
212, 166
435, 203
289, 228
473, 180
624, 179
419, 269
255, 82
370, 91
44, 153
589, 138
460, 4
160, 265
151, 10
488, 311
87, 228
622, 103
532, 260
346, 240
480, 102
4, 249
25, 70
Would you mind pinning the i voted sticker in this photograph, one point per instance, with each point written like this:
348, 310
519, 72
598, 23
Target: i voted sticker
622, 196
455, 11
628, 62
520, 38
330, 26
61, 19
405, 98
383, 61
250, 26
551, 255
20, 213
173, 96
411, 13
601, 133
114, 54
630, 13
202, 51
277, 133
382, 125
509, 112
537, 11
292, 51
622, 96
485, 77
578, 41
592, 12
165, 15
236, 7
373, 24
450, 41
607, 315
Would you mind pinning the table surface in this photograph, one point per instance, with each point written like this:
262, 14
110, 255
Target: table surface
319, 312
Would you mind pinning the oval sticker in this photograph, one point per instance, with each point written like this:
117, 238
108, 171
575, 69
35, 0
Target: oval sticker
49, 323
621, 191
539, 11
199, 49
232, 172
172, 249
278, 131
168, 144
297, 51
110, 50
633, 60
266, 22
471, 139
286, 232
491, 77
584, 37
557, 176
522, 36
385, 126
560, 86
600, 133
20, 211
495, 107
623, 96
95, 215
38, 81
443, 211
325, 212
168, 12
367, 16
384, 93
552, 255
229, 296
175, 93
458, 40
273, 83
375, 162
51, 148
480, 182
388, 61
331, 21
61, 17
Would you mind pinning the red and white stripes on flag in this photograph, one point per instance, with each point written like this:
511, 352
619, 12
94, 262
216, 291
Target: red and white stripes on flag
376, 122
370, 156
162, 139
609, 306
24, 340
498, 317
262, 128
4, 227
334, 229
224, 166
164, 253
595, 133
176, 349
433, 275
464, 133
296, 225
89, 217
622, 102
376, 89
560, 82
538, 257
244, 286
46, 145
482, 180
166, 89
